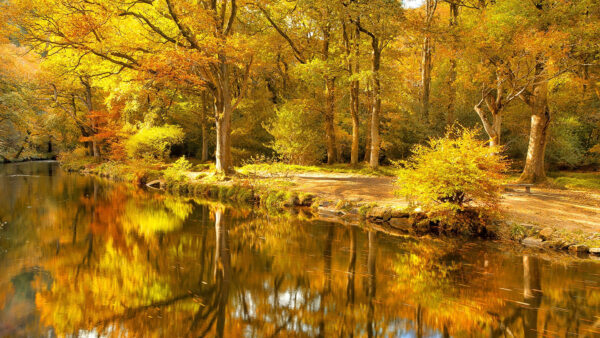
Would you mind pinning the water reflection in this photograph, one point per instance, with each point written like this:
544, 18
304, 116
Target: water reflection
81, 256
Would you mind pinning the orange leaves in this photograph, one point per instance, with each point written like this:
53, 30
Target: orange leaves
105, 128
183, 67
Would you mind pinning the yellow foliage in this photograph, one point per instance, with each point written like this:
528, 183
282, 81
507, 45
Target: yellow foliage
449, 175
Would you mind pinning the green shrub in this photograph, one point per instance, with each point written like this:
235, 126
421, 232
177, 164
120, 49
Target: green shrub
453, 178
297, 133
154, 142
176, 172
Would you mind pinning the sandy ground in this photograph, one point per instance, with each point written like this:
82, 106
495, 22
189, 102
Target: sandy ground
561, 209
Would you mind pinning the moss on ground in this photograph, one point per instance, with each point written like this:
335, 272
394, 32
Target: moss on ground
364, 209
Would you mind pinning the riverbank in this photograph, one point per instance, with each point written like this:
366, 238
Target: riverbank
27, 159
550, 217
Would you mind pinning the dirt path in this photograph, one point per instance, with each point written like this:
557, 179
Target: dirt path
562, 209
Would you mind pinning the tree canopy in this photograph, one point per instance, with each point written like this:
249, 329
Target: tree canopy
302, 81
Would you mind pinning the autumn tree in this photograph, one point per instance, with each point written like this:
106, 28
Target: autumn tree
379, 22
314, 52
164, 41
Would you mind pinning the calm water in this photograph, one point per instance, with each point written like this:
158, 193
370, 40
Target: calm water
84, 257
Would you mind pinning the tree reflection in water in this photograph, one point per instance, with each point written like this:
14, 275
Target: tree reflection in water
99, 258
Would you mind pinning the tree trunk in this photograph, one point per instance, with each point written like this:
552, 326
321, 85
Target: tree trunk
535, 170
426, 78
223, 112
497, 129
330, 102
493, 129
19, 152
353, 55
329, 120
354, 106
90, 110
426, 62
204, 156
368, 129
223, 148
450, 109
25, 142
375, 140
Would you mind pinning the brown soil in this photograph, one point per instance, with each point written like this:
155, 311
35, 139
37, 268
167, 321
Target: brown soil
561, 209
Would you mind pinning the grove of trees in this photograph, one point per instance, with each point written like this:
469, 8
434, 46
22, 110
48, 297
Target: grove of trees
306, 81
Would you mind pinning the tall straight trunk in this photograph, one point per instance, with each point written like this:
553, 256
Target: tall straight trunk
450, 109
368, 129
353, 54
330, 103
204, 156
354, 109
223, 147
375, 115
217, 74
426, 63
426, 78
535, 170
223, 112
329, 120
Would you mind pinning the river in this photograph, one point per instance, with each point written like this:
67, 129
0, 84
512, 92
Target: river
81, 256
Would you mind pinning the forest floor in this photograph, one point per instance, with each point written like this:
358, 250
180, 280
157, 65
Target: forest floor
571, 210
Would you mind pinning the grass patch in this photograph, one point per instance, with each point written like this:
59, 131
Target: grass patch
287, 169
576, 180
518, 232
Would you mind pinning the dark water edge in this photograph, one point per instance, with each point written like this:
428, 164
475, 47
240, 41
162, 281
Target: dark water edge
5, 160
84, 256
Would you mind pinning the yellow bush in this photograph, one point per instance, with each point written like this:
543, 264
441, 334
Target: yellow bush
176, 172
154, 142
453, 177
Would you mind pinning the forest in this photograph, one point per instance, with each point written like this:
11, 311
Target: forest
302, 82
410, 168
